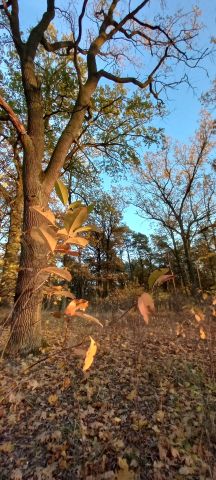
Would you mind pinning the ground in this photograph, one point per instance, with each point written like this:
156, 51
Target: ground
144, 411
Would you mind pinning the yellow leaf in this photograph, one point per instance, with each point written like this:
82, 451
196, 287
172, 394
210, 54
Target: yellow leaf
81, 241
66, 383
60, 272
47, 214
75, 305
52, 399
6, 447
45, 235
198, 314
132, 395
124, 472
202, 334
122, 463
61, 191
80, 218
90, 354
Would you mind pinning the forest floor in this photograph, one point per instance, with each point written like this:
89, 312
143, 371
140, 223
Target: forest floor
146, 409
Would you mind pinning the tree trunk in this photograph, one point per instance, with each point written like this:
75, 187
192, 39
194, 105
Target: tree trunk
26, 317
25, 332
189, 264
11, 258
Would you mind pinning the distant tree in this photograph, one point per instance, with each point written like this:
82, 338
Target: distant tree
173, 189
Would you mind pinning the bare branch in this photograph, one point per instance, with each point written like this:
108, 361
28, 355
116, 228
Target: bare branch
80, 21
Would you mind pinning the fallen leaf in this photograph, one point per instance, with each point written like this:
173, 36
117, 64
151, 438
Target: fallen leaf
202, 334
132, 395
52, 399
6, 447
66, 383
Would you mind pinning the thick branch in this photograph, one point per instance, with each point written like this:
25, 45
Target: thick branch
38, 31
12, 116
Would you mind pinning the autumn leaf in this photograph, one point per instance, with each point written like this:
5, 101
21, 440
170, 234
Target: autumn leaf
61, 191
75, 305
66, 383
52, 399
89, 318
60, 272
124, 472
58, 291
90, 354
45, 235
202, 334
155, 275
47, 214
81, 241
163, 279
146, 306
132, 395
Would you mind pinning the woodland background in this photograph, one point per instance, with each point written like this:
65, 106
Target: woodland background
84, 99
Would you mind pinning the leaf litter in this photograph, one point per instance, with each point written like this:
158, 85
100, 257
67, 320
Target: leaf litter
144, 410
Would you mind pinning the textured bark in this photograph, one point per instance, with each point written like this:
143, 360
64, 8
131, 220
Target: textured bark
12, 251
26, 318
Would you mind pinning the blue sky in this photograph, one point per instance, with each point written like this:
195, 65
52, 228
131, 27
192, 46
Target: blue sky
183, 104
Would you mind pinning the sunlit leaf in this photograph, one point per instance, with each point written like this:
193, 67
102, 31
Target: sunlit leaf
90, 318
146, 306
82, 242
45, 235
60, 272
155, 275
62, 232
79, 219
202, 334
163, 279
132, 395
59, 292
90, 354
47, 214
75, 204
198, 314
88, 228
76, 305
61, 191
124, 473
69, 219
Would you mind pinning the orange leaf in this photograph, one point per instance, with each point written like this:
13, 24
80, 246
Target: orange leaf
146, 306
76, 305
